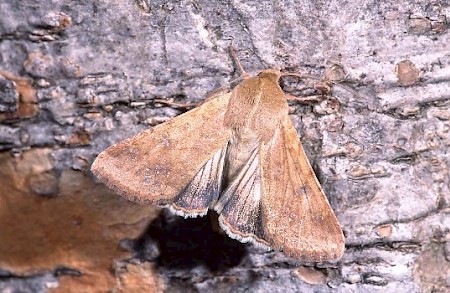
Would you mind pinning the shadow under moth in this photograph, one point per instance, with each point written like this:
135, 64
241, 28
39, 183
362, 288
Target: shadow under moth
239, 154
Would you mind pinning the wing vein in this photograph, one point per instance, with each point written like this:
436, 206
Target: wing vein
249, 194
197, 184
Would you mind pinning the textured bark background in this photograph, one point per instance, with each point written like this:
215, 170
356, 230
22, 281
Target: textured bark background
75, 77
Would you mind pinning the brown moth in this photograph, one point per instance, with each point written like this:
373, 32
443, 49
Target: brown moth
239, 154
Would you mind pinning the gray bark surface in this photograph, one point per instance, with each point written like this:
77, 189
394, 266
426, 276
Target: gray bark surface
76, 77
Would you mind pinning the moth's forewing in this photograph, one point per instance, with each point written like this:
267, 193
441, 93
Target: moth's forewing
157, 165
296, 214
274, 199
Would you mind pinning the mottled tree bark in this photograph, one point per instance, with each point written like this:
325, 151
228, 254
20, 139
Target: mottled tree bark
75, 77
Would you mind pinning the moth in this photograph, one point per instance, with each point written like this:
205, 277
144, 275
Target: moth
239, 154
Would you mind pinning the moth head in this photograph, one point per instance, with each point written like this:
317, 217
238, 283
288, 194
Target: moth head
270, 73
